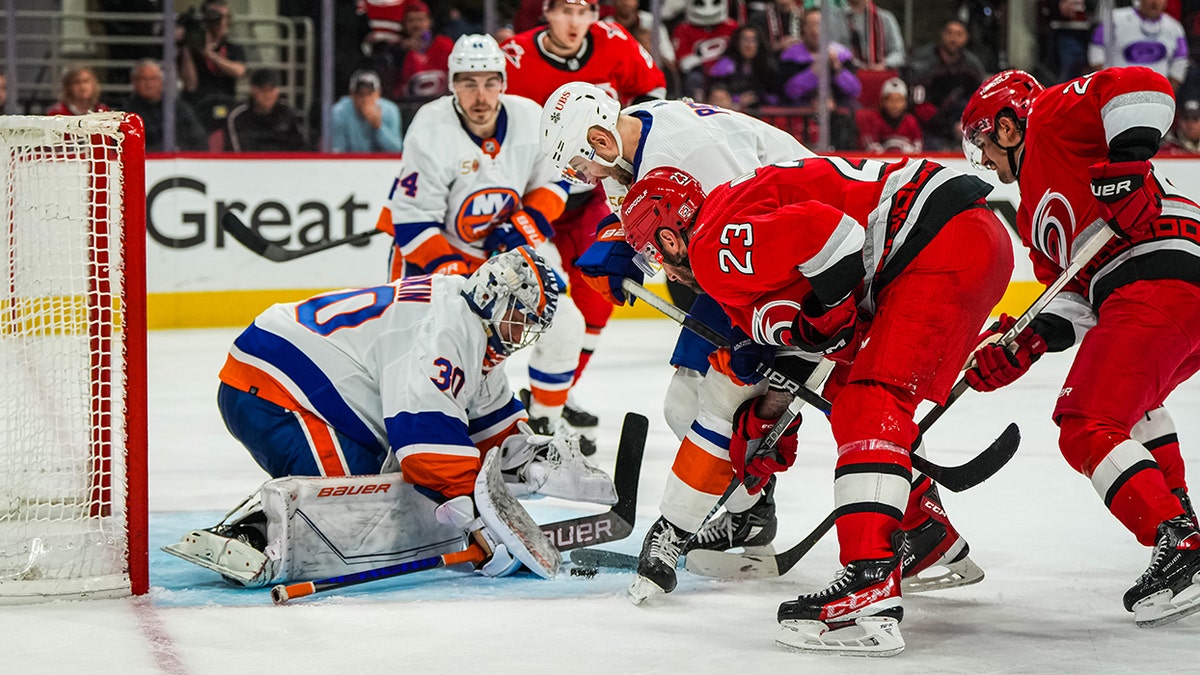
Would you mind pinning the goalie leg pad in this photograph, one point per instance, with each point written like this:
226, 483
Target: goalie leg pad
510, 524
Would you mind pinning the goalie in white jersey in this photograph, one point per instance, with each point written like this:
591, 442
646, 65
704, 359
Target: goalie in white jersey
362, 381
472, 182
586, 134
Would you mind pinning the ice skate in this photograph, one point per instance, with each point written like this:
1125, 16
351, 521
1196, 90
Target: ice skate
1186, 501
857, 615
233, 550
583, 423
753, 529
1170, 588
936, 556
562, 426
656, 564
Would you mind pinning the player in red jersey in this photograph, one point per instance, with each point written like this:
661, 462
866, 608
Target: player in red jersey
887, 269
574, 46
1080, 153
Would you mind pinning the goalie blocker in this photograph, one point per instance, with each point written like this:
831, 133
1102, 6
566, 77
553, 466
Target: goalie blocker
300, 528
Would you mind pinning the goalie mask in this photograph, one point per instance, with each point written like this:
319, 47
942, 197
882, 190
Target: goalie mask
665, 198
1009, 93
570, 112
516, 295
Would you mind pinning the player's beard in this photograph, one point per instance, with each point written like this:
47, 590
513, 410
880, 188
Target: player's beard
483, 116
680, 267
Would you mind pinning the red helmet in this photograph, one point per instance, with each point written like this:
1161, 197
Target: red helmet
1010, 91
664, 198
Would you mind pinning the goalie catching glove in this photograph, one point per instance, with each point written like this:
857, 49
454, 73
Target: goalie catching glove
996, 366
608, 261
1129, 197
534, 465
828, 331
745, 447
524, 227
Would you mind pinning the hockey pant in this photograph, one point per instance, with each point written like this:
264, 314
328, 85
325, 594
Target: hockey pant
293, 443
574, 232
1145, 343
701, 470
681, 405
926, 324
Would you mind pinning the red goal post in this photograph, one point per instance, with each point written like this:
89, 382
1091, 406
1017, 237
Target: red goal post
73, 503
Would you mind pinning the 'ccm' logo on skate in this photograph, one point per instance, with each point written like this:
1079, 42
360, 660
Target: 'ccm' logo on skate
580, 534
346, 490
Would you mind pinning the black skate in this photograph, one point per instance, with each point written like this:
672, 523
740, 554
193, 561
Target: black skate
936, 555
251, 530
753, 529
656, 564
1170, 588
1186, 501
857, 615
547, 427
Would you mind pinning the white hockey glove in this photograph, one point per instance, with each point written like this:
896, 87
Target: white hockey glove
546, 466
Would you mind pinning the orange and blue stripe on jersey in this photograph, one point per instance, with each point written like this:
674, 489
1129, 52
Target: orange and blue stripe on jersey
276, 370
437, 451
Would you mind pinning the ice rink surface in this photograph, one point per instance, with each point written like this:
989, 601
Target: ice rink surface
1057, 564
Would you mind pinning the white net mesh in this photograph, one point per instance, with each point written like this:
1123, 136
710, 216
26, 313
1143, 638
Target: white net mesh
62, 386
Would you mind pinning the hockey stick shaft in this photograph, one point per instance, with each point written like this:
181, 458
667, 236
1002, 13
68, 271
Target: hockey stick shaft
1083, 255
272, 251
955, 479
283, 592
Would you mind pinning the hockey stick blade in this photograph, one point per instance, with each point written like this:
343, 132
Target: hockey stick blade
723, 565
979, 468
598, 557
274, 252
616, 523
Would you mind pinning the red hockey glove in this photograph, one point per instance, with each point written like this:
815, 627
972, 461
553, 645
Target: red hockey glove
996, 366
1129, 196
522, 229
827, 331
745, 446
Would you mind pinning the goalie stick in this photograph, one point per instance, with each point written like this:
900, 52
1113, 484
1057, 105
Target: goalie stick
953, 478
601, 528
274, 252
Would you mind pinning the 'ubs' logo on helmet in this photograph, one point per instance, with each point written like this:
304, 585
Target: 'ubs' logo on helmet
484, 209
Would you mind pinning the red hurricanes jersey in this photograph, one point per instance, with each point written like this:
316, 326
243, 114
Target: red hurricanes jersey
763, 241
701, 45
1072, 126
610, 58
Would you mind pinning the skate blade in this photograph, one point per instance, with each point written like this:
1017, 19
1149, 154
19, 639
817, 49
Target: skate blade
1161, 608
641, 590
940, 577
238, 562
869, 636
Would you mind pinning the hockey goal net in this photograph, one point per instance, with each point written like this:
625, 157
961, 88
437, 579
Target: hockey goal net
72, 372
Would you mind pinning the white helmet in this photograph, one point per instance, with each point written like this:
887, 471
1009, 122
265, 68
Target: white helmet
706, 12
476, 54
518, 279
570, 112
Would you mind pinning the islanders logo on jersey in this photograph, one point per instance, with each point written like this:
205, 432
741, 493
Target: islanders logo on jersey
484, 209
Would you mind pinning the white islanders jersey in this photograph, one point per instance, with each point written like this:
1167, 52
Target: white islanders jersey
713, 144
459, 186
397, 366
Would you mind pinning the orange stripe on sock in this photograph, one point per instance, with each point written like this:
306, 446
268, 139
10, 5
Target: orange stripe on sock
700, 470
549, 398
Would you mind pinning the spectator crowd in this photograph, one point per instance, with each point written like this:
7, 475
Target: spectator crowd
776, 59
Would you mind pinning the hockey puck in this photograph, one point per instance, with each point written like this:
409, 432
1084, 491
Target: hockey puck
585, 572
